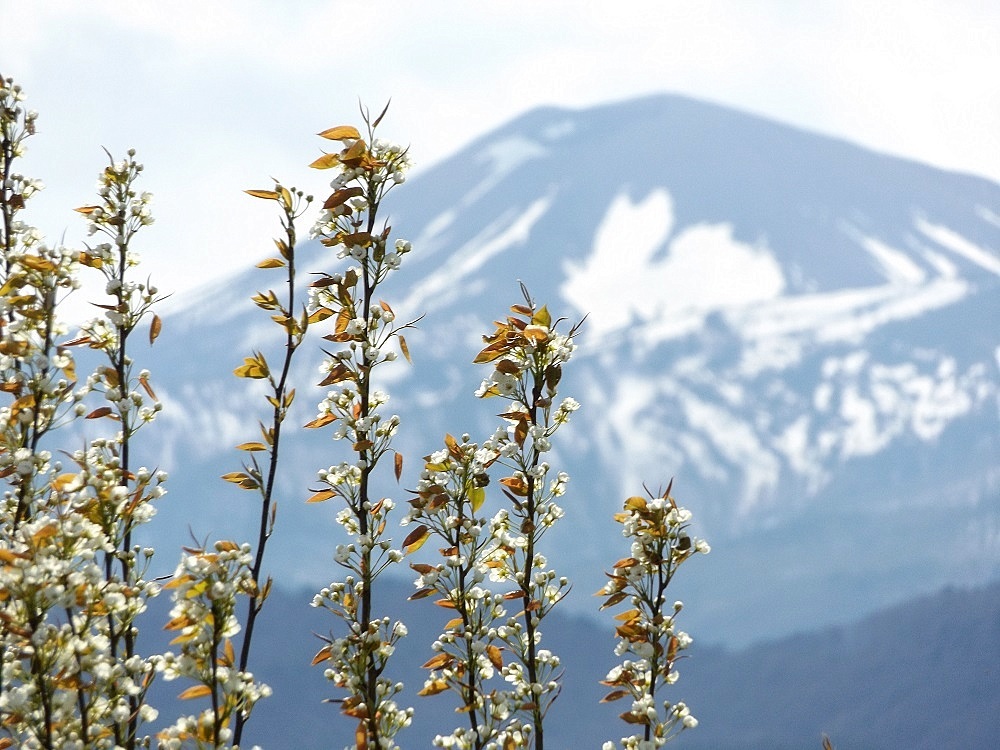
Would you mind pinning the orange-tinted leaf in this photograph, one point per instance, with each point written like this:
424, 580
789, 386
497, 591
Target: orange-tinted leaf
631, 718
252, 367
195, 691
339, 373
614, 599
144, 382
398, 465
515, 485
229, 656
404, 348
102, 411
489, 354
321, 496
265, 194
521, 431
319, 314
251, 447
614, 695
495, 656
340, 133
45, 532
358, 238
433, 687
537, 334
355, 155
244, 481
438, 661
9, 557
629, 614
320, 421
341, 196
416, 538
635, 503
155, 326
322, 655
542, 318
271, 263
326, 161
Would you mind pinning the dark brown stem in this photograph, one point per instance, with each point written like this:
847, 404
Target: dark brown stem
532, 661
256, 602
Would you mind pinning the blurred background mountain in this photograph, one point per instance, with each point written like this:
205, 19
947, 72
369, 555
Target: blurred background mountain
801, 332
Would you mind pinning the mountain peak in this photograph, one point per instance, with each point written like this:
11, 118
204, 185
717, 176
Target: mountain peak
801, 331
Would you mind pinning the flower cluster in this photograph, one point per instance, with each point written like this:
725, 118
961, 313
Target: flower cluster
38, 373
205, 590
647, 635
363, 328
120, 213
449, 496
64, 685
528, 354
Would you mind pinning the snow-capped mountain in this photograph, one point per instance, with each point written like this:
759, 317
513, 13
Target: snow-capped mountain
803, 333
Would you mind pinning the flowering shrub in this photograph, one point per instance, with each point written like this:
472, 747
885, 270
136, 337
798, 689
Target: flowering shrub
73, 584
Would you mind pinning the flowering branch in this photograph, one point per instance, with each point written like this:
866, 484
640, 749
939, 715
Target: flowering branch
528, 355
364, 327
660, 543
450, 494
131, 402
205, 587
254, 477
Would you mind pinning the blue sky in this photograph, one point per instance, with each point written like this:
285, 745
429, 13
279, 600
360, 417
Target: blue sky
219, 95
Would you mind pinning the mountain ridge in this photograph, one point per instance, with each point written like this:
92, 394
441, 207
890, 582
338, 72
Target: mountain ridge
922, 674
805, 411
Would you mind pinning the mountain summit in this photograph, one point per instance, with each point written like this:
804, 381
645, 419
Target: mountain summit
801, 332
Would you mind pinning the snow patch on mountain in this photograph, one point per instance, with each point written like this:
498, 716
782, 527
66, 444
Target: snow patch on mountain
704, 268
846, 316
431, 238
869, 404
986, 214
454, 278
504, 156
558, 130
898, 268
952, 240
739, 445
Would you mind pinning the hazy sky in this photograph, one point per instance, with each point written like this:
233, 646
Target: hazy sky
219, 95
